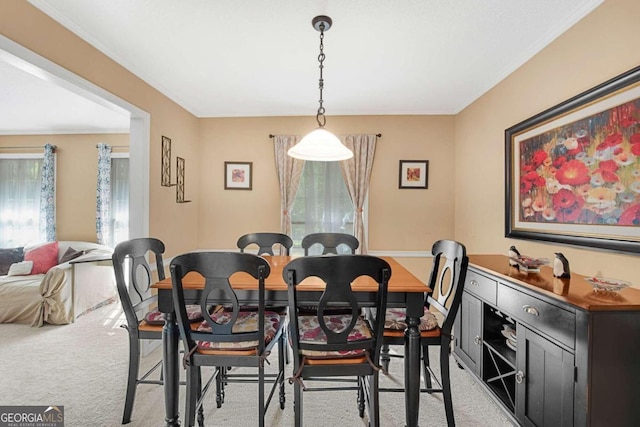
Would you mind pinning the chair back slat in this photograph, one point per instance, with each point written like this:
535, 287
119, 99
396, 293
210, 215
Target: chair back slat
265, 242
218, 294
329, 242
337, 272
446, 280
134, 276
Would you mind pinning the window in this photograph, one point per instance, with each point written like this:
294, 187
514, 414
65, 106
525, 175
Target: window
19, 199
322, 203
119, 198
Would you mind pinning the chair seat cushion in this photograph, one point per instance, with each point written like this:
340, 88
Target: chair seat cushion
311, 333
247, 321
155, 317
396, 319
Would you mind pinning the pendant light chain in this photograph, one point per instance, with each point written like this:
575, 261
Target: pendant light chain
320, 118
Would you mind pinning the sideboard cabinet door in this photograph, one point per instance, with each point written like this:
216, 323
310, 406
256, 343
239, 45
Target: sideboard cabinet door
467, 331
544, 381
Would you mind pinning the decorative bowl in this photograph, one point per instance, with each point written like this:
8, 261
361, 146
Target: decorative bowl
528, 263
605, 284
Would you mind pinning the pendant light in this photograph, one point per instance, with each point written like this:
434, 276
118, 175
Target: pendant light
320, 145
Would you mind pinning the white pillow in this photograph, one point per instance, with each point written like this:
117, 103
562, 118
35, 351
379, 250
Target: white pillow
22, 268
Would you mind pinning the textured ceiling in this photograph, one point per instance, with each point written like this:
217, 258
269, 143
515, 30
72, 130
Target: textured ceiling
230, 58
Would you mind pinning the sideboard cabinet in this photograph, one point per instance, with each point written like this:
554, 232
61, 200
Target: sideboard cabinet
573, 358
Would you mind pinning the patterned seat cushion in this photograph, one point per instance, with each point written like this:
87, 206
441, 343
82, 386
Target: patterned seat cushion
312, 333
155, 317
395, 319
247, 321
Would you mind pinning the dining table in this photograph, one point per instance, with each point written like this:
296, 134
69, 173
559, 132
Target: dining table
404, 290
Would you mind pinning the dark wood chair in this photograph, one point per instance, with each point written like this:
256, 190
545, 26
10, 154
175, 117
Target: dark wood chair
144, 321
329, 242
230, 336
336, 347
448, 273
266, 242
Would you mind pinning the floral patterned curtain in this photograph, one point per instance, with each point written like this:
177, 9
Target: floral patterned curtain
48, 195
103, 194
289, 172
357, 173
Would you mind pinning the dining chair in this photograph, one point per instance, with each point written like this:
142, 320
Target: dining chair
229, 336
336, 347
329, 243
265, 242
446, 281
143, 320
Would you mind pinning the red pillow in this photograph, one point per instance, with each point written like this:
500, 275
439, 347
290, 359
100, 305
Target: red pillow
44, 257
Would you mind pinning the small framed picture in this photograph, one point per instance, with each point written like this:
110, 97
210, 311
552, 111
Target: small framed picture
238, 175
414, 174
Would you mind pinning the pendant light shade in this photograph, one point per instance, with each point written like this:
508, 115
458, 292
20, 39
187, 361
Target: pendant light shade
320, 145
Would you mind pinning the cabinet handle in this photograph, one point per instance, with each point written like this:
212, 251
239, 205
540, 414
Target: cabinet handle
519, 377
473, 282
530, 310
477, 339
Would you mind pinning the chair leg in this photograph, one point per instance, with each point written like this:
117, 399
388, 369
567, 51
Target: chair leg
132, 379
297, 403
283, 351
261, 410
446, 384
384, 357
425, 368
200, 407
220, 386
192, 395
361, 397
374, 399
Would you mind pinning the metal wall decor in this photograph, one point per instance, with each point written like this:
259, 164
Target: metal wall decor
180, 181
165, 167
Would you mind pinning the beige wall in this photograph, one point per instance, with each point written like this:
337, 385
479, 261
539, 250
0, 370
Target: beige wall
599, 47
176, 224
399, 220
76, 174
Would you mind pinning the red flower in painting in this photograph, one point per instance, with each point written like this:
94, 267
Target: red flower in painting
573, 172
630, 216
635, 149
564, 199
635, 138
610, 141
527, 168
538, 157
559, 161
572, 213
540, 182
607, 169
531, 176
525, 186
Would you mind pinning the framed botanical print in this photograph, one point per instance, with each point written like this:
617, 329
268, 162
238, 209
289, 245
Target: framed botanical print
414, 174
238, 175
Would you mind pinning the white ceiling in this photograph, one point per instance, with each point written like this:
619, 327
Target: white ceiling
229, 58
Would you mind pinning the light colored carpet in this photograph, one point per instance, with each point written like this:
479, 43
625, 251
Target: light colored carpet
83, 366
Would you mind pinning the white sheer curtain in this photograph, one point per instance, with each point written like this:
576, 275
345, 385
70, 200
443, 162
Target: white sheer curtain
19, 199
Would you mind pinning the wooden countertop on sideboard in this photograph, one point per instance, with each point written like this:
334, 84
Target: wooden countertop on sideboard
575, 290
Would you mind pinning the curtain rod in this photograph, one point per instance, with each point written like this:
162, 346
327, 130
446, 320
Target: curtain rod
379, 135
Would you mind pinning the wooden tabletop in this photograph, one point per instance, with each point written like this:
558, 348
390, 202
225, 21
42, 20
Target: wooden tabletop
401, 279
574, 290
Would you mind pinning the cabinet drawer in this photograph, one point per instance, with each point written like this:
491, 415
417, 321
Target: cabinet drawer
549, 319
481, 286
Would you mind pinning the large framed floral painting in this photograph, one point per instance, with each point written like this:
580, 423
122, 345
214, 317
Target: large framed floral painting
573, 171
